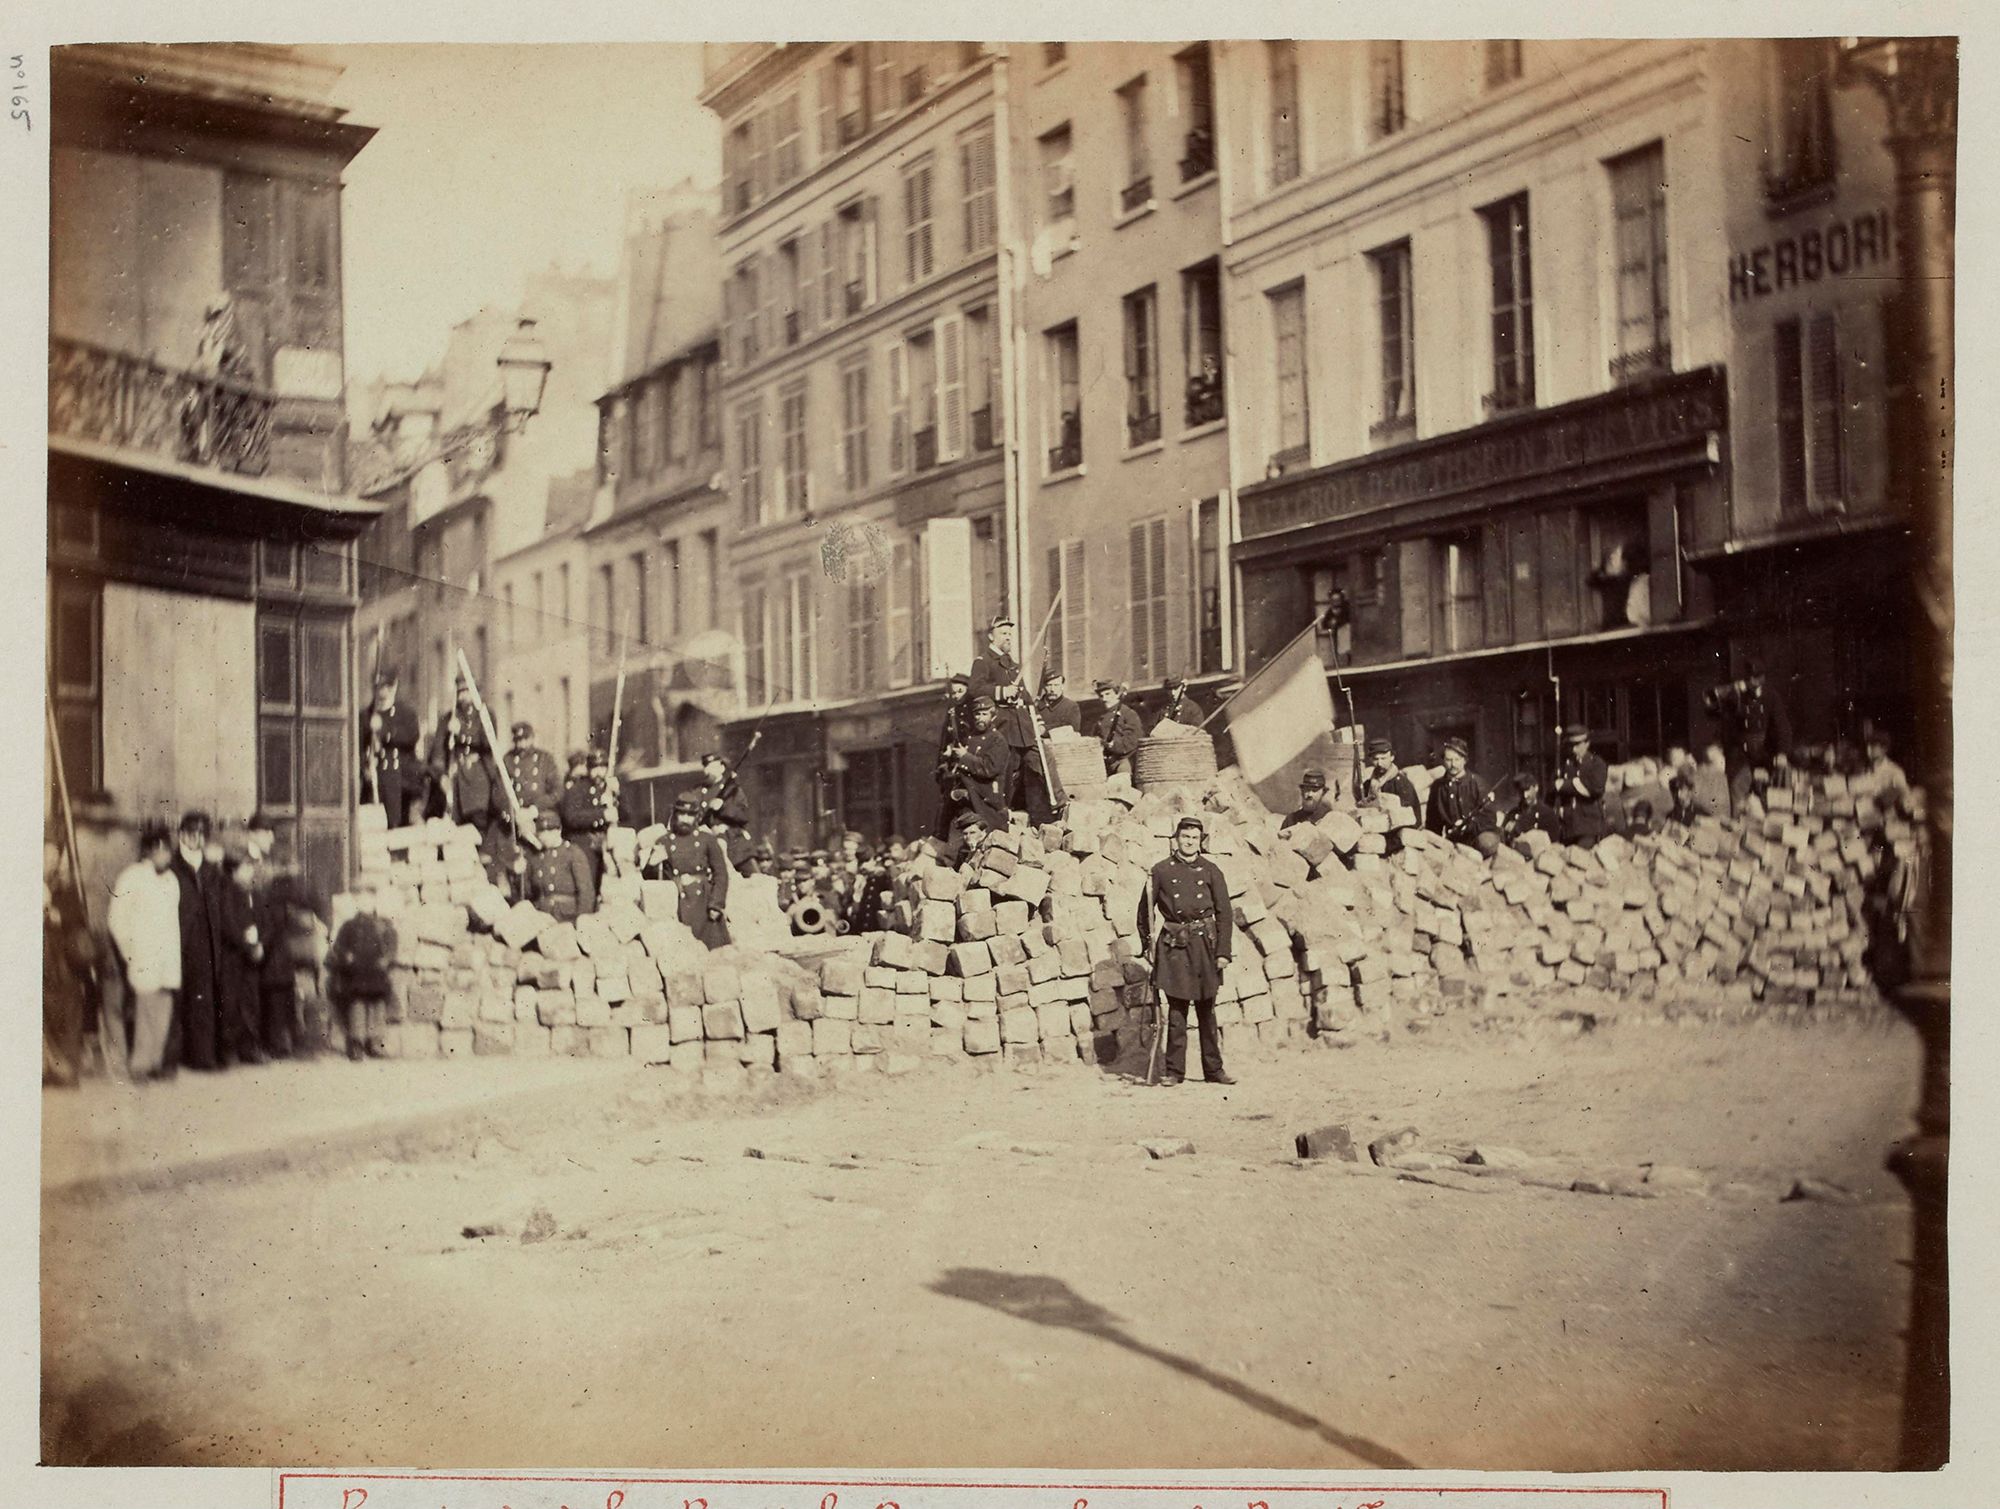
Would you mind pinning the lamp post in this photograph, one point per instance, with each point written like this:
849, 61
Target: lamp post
524, 376
1917, 81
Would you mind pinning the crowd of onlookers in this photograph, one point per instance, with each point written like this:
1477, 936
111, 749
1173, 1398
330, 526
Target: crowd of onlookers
198, 963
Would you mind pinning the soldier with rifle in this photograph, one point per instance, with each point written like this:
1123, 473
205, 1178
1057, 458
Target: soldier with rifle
462, 763
725, 812
1580, 781
1054, 708
696, 863
996, 676
1184, 921
980, 769
390, 774
589, 810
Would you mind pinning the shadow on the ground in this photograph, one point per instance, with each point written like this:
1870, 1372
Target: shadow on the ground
1047, 1301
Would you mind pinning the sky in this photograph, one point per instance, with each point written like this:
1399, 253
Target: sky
494, 161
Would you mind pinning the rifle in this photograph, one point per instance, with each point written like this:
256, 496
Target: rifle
371, 773
1058, 798
69, 815
523, 832
617, 716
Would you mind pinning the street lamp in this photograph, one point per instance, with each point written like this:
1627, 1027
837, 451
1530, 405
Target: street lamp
1917, 80
524, 375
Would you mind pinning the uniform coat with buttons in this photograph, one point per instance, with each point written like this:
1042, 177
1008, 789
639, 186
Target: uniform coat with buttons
1183, 709
1458, 807
537, 782
1120, 731
997, 677
1187, 965
1579, 795
463, 765
559, 880
389, 758
1060, 712
697, 864
984, 775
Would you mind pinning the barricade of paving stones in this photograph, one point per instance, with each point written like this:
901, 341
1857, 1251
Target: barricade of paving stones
1024, 946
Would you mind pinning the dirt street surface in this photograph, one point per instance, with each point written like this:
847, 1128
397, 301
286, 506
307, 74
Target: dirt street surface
967, 1268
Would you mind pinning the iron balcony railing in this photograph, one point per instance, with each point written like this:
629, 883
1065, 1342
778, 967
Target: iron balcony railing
1142, 429
116, 398
1509, 397
1633, 365
1067, 453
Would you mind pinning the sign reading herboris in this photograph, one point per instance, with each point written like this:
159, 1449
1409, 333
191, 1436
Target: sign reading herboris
1627, 423
1848, 245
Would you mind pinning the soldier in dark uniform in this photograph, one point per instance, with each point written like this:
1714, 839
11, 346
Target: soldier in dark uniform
983, 772
1181, 708
558, 878
1460, 807
1314, 802
697, 864
996, 675
1189, 942
1119, 730
537, 782
1383, 777
1057, 710
954, 734
1580, 781
957, 710
725, 812
462, 764
390, 773
1529, 814
589, 807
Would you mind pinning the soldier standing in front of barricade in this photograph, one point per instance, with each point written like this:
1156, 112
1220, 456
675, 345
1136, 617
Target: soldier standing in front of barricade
725, 812
697, 864
1189, 941
463, 765
984, 771
589, 807
1580, 781
1314, 802
1460, 806
953, 735
390, 773
1119, 730
557, 877
1384, 778
537, 782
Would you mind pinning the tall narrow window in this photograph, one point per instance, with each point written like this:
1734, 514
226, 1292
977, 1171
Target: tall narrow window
854, 425
1065, 419
1461, 621
864, 635
948, 332
1283, 60
982, 378
672, 590
1511, 274
976, 174
77, 686
642, 597
896, 364
707, 401
609, 627
789, 291
829, 278
902, 610
1069, 623
748, 312
1058, 176
1385, 89
805, 638
789, 153
711, 577
1802, 156
736, 168
760, 167
1288, 332
680, 414
796, 468
750, 460
1396, 416
857, 254
1639, 216
919, 245
1208, 583
1138, 188
757, 679
1195, 74
1201, 341
1812, 450
1142, 367
1503, 61
1147, 599
923, 378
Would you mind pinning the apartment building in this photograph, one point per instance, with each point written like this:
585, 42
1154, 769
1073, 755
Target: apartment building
201, 581
863, 412
542, 639
1116, 157
1505, 403
661, 597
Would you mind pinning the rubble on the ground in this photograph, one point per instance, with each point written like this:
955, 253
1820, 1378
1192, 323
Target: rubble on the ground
1024, 944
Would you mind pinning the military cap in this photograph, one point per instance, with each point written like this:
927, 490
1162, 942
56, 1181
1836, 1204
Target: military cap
386, 676
1176, 680
548, 817
597, 756
524, 729
1380, 746
1576, 731
1051, 675
1458, 746
712, 758
1001, 621
982, 701
1191, 821
579, 757
686, 804
1313, 780
958, 678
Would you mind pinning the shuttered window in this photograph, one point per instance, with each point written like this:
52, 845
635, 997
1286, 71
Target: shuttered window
897, 359
1288, 329
1511, 271
1386, 105
1639, 216
901, 612
854, 424
1283, 61
1069, 625
919, 242
1811, 418
864, 635
1147, 600
976, 173
1142, 366
949, 338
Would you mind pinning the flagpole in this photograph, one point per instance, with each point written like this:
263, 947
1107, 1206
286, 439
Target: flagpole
1311, 628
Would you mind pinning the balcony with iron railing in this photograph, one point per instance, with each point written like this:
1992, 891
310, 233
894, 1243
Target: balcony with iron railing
1510, 397
115, 398
1394, 429
1067, 453
1198, 154
1633, 366
1204, 399
1142, 428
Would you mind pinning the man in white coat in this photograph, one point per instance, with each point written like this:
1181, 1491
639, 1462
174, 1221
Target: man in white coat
145, 924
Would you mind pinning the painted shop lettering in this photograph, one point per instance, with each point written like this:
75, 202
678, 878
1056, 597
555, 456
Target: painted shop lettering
1834, 251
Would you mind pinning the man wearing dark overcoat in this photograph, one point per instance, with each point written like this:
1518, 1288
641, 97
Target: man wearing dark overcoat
985, 769
1460, 807
462, 764
1580, 781
1185, 919
200, 1037
537, 782
696, 863
996, 675
1056, 708
1181, 708
558, 878
725, 811
390, 772
1119, 730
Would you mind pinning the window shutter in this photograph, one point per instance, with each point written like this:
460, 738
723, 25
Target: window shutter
1076, 609
1052, 647
899, 407
829, 110
829, 277
1493, 587
1827, 451
1157, 595
949, 335
1142, 647
870, 218
1413, 565
899, 616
